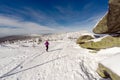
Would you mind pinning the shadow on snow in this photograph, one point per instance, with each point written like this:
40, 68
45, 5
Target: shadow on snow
10, 72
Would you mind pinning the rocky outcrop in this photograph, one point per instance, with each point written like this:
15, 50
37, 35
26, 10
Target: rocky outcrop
101, 26
84, 38
111, 21
114, 16
108, 68
106, 42
110, 24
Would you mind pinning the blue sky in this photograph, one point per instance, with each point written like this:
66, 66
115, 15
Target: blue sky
44, 16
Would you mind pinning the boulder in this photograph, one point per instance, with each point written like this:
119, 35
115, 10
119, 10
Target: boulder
101, 27
109, 68
110, 23
106, 42
84, 38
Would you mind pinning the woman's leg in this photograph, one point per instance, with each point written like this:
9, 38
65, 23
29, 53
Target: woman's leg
47, 48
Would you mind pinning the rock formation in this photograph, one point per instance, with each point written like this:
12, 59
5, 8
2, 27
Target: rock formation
110, 24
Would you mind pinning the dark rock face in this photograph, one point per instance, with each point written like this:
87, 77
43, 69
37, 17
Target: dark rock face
114, 16
111, 22
101, 27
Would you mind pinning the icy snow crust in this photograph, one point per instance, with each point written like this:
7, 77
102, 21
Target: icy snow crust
64, 61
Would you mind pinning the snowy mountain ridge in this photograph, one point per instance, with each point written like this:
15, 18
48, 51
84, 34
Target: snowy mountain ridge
67, 35
43, 37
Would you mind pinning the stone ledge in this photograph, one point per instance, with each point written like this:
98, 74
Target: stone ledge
110, 68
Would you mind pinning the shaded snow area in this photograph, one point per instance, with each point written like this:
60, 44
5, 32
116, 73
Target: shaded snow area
65, 60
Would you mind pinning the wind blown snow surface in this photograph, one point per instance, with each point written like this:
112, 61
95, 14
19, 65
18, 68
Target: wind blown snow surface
64, 61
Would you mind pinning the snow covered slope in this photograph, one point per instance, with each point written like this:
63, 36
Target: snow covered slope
64, 61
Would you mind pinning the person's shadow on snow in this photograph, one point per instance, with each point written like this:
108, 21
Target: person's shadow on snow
55, 50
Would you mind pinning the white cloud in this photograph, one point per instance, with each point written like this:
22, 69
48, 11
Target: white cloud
88, 6
26, 12
13, 22
10, 26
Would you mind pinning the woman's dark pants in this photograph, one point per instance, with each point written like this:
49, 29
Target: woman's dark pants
47, 48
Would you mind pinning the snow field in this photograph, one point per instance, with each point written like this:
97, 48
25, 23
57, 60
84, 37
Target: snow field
64, 61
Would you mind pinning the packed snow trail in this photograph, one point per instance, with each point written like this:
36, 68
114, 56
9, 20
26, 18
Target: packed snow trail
64, 61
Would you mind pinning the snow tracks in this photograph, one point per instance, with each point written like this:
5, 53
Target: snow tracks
64, 61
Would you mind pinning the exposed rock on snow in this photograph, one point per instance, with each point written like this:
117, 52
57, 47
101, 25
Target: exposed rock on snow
110, 68
101, 27
102, 43
110, 23
84, 38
